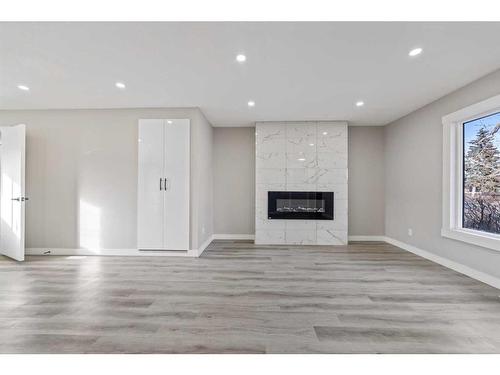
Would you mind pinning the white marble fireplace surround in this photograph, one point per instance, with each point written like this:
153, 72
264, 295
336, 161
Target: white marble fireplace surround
301, 156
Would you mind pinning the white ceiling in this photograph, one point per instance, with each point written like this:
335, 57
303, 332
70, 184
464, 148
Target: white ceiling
294, 71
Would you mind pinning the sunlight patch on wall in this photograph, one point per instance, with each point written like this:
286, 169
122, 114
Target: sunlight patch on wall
89, 226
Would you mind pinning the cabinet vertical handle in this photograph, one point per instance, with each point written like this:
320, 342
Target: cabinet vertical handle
160, 183
166, 179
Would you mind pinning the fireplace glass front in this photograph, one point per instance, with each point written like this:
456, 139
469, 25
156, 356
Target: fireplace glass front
304, 205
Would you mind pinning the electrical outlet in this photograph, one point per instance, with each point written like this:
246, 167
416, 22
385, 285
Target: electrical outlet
410, 232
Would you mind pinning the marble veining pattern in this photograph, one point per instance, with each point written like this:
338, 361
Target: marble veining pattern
301, 156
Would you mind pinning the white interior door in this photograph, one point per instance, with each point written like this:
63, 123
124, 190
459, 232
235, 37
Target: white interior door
12, 198
177, 170
150, 207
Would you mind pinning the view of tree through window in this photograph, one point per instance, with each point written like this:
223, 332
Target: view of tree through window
481, 198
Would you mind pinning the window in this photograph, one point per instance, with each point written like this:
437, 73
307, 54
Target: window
481, 177
471, 174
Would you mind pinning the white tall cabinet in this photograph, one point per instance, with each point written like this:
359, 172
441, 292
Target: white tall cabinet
163, 186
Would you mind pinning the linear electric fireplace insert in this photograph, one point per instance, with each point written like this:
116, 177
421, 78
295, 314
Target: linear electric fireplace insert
308, 205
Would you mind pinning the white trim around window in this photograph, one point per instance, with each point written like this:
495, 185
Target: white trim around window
453, 174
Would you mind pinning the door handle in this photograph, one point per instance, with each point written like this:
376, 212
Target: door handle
21, 199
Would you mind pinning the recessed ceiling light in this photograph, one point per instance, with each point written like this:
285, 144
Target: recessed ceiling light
325, 133
301, 159
415, 52
241, 58
169, 121
251, 103
23, 87
120, 85
311, 144
360, 103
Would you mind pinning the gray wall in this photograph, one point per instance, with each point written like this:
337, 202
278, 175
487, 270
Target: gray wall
234, 180
413, 193
81, 167
202, 180
366, 181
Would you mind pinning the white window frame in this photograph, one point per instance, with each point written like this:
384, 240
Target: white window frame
453, 174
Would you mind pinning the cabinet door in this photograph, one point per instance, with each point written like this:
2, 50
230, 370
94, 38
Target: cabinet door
177, 169
150, 207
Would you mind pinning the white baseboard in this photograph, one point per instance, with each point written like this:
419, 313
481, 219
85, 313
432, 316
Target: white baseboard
105, 252
204, 245
367, 238
234, 236
466, 270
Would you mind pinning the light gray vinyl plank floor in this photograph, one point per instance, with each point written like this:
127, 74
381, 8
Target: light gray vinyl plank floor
243, 298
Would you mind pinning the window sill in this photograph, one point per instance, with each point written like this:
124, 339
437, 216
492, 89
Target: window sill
489, 241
